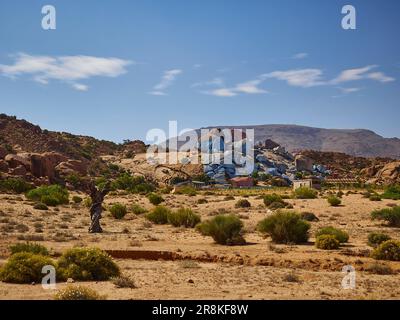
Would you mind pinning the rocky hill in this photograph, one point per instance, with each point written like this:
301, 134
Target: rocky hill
20, 135
357, 142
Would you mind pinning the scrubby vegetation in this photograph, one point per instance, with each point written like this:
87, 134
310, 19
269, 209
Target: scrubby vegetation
375, 197
375, 239
75, 292
242, 203
87, 264
183, 217
133, 184
334, 201
390, 215
155, 198
392, 192
271, 198
15, 185
388, 250
77, 199
285, 227
24, 267
340, 235
123, 282
187, 190
118, 210
137, 209
49, 195
224, 229
159, 215
34, 248
327, 242
305, 193
40, 206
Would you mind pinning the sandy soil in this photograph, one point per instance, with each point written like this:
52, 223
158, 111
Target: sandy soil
258, 270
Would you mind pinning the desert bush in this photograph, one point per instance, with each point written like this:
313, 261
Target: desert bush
340, 194
228, 198
50, 195
271, 198
34, 248
40, 206
390, 215
123, 282
87, 264
87, 202
224, 229
118, 210
159, 215
75, 292
388, 250
155, 198
202, 201
327, 242
134, 184
187, 190
375, 197
378, 268
375, 239
392, 192
183, 217
77, 199
277, 205
242, 203
340, 235
305, 193
285, 227
309, 216
15, 185
334, 201
24, 267
137, 209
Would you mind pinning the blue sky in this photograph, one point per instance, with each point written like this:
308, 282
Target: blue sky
115, 69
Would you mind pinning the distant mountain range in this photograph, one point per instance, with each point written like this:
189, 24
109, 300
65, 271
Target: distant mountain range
355, 142
21, 134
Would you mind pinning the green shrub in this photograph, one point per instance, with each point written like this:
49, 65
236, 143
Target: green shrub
15, 185
388, 250
327, 242
305, 193
340, 194
74, 179
24, 267
34, 248
285, 227
340, 235
40, 206
309, 216
390, 215
137, 209
118, 210
87, 202
159, 215
271, 198
74, 292
183, 217
277, 205
224, 229
77, 199
375, 197
134, 184
50, 195
87, 264
392, 192
155, 199
375, 239
242, 203
334, 201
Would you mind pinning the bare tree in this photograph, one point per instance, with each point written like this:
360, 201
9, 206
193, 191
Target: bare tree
97, 195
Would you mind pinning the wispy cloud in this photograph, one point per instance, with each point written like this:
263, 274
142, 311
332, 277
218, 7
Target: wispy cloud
349, 90
299, 78
68, 69
167, 79
301, 55
248, 87
361, 74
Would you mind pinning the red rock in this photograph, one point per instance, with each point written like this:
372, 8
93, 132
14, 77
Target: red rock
303, 163
15, 160
3, 152
3, 166
18, 171
71, 166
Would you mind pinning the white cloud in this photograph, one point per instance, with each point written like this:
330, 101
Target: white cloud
218, 82
249, 87
349, 90
301, 55
167, 79
223, 92
80, 87
380, 76
299, 78
353, 74
64, 68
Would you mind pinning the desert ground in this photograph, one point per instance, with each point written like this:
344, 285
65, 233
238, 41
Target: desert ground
178, 263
